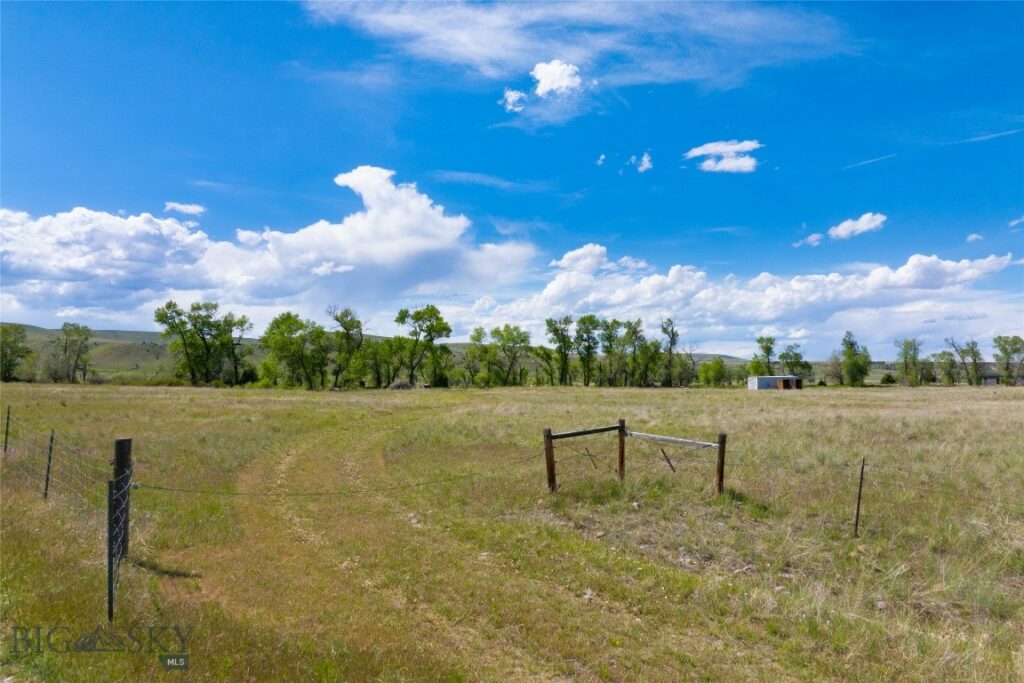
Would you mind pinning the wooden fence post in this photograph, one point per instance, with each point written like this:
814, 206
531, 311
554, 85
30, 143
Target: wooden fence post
860, 490
622, 450
49, 465
720, 469
7, 427
549, 458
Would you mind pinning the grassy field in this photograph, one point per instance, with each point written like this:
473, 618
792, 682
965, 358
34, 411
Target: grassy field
481, 574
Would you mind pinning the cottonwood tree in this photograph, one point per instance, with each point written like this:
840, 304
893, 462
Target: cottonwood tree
13, 350
560, 334
547, 362
176, 326
613, 348
793, 363
346, 340
713, 373
633, 335
69, 353
302, 346
668, 328
587, 344
512, 342
856, 361
231, 338
764, 360
908, 356
426, 326
946, 368
970, 359
1009, 357
208, 346
648, 359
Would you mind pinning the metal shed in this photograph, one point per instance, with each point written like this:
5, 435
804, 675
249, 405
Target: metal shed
762, 382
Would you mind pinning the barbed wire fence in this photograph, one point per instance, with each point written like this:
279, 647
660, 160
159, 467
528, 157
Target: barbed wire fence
74, 477
667, 455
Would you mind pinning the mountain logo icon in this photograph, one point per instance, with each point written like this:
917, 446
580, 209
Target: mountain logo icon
100, 640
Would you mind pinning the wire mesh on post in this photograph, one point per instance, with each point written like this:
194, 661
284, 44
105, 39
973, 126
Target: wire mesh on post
118, 504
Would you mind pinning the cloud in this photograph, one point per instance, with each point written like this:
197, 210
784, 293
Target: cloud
556, 77
726, 156
471, 178
586, 280
615, 44
1015, 222
187, 209
115, 267
987, 136
513, 100
643, 164
601, 159
974, 237
869, 222
812, 240
869, 161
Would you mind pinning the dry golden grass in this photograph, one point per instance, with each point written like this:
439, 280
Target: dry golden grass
485, 576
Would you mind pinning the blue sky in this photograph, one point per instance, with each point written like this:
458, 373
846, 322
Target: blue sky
514, 162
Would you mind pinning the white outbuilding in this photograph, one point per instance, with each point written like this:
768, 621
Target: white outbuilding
762, 382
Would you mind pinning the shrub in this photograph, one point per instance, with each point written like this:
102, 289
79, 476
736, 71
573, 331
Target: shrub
400, 384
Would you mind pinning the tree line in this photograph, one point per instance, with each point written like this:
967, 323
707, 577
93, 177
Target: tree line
209, 347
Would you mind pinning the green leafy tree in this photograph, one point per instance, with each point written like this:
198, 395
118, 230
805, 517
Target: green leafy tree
587, 344
346, 341
908, 358
560, 334
970, 359
793, 363
856, 361
183, 340
302, 346
767, 347
69, 353
1009, 357
473, 359
712, 373
512, 342
13, 350
613, 347
440, 362
548, 363
946, 367
230, 341
648, 360
634, 338
426, 326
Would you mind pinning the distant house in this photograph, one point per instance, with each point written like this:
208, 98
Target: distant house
764, 382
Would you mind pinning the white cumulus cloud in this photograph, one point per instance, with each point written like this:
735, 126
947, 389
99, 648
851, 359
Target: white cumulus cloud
974, 237
869, 222
556, 77
600, 160
106, 264
513, 100
187, 209
812, 240
726, 156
